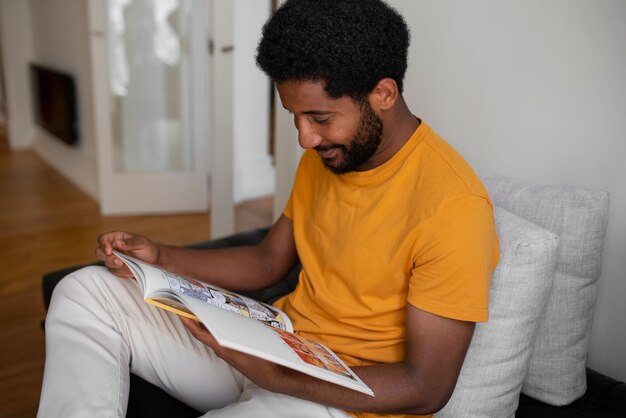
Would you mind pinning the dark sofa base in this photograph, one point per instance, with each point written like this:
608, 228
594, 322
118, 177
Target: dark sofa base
605, 397
146, 401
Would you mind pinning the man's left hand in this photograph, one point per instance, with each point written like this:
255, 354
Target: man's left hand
264, 373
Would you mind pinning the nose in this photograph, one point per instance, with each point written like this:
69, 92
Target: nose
307, 136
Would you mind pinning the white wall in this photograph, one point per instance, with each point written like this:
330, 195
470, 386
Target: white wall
535, 90
60, 37
17, 51
253, 170
2, 93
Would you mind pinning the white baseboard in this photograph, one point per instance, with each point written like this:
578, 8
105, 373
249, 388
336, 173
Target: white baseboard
72, 163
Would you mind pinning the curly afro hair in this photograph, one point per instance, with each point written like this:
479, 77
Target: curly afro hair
348, 44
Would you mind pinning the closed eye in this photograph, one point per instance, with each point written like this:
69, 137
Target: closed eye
322, 121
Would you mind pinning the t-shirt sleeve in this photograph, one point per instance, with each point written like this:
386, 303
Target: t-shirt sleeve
288, 211
454, 260
298, 181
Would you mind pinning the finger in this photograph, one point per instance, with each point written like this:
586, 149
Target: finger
123, 272
104, 244
107, 240
128, 243
200, 332
111, 261
191, 325
114, 264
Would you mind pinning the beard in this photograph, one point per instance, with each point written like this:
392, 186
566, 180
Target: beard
364, 144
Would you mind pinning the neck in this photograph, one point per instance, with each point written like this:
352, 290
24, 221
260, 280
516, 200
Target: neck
399, 124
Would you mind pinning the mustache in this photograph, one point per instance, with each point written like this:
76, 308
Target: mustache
321, 148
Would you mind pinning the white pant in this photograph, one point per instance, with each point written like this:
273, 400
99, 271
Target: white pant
99, 329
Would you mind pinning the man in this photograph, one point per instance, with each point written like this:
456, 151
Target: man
393, 229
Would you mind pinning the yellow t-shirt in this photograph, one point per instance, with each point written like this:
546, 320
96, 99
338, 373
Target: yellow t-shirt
417, 229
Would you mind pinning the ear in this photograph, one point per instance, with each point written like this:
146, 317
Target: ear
384, 95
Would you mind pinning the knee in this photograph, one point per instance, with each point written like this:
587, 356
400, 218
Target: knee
76, 280
80, 285
86, 295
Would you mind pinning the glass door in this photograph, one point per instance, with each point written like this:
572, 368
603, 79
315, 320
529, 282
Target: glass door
151, 87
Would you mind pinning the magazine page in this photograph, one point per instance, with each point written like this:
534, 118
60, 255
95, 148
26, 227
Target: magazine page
134, 268
276, 345
160, 286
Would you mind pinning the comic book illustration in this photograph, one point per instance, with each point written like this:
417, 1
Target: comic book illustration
315, 353
226, 300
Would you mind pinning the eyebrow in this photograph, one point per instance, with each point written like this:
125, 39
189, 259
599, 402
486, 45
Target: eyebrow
312, 112
317, 112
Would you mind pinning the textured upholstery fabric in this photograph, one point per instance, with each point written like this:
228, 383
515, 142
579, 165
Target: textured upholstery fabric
495, 365
556, 373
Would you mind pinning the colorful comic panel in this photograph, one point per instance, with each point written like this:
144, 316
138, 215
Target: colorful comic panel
314, 353
224, 299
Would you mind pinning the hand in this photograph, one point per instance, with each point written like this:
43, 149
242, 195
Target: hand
135, 245
265, 374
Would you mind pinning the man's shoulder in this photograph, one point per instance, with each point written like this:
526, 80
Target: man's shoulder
443, 173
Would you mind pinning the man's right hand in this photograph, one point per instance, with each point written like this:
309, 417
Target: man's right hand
135, 245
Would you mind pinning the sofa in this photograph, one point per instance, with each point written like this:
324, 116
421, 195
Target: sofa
529, 359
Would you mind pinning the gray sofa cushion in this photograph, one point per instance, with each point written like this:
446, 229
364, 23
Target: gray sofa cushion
494, 368
556, 373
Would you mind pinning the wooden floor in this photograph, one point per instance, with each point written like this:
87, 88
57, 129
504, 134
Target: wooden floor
46, 223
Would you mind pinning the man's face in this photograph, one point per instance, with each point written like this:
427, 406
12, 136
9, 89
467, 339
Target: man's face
344, 133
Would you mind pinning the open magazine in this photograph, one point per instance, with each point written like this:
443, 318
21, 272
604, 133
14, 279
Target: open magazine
241, 323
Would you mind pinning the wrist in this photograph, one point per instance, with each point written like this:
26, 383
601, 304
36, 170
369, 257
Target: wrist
162, 255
